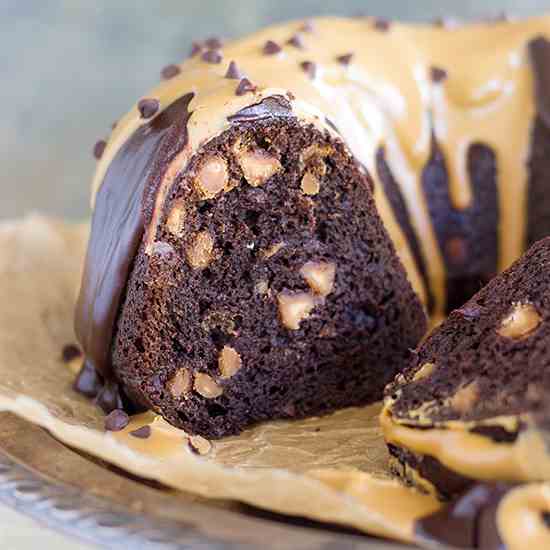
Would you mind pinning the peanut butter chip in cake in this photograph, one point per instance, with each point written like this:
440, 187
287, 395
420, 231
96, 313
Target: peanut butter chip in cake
522, 321
465, 398
176, 218
206, 386
273, 249
229, 362
319, 276
294, 307
424, 371
310, 184
180, 384
212, 177
199, 253
258, 166
199, 445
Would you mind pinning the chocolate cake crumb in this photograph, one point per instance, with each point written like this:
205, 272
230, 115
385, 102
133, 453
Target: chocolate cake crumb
99, 148
310, 68
233, 72
212, 56
170, 71
296, 41
116, 420
70, 352
437, 74
345, 59
271, 48
244, 87
142, 433
148, 107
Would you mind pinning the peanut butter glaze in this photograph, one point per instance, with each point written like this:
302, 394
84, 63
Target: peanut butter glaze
392, 101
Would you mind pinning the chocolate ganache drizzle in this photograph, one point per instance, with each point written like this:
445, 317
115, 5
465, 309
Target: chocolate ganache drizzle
118, 226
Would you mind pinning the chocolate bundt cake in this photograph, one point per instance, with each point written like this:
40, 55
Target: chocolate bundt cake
474, 403
268, 219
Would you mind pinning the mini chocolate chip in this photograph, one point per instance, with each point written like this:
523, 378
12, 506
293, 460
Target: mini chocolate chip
196, 47
310, 68
345, 59
170, 71
244, 87
212, 56
142, 433
70, 352
109, 398
296, 41
233, 72
99, 148
381, 24
437, 74
148, 107
271, 48
213, 43
116, 420
307, 26
87, 382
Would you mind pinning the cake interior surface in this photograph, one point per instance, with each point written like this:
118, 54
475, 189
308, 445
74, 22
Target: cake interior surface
275, 298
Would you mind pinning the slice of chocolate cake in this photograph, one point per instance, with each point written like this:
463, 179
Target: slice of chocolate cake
474, 404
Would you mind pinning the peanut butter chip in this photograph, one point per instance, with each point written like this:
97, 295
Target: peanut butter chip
206, 386
273, 249
229, 362
258, 166
310, 184
199, 253
212, 177
180, 384
521, 322
464, 399
424, 371
294, 308
199, 445
319, 276
176, 219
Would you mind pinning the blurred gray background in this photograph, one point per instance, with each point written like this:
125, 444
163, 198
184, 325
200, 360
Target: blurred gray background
69, 68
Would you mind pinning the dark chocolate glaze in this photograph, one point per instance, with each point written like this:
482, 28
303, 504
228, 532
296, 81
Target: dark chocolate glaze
118, 227
468, 238
467, 522
402, 215
538, 200
270, 107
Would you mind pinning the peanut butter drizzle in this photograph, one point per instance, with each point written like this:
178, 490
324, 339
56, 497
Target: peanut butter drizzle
473, 455
519, 517
385, 96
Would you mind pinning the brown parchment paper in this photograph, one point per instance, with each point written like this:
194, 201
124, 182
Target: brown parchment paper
330, 469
